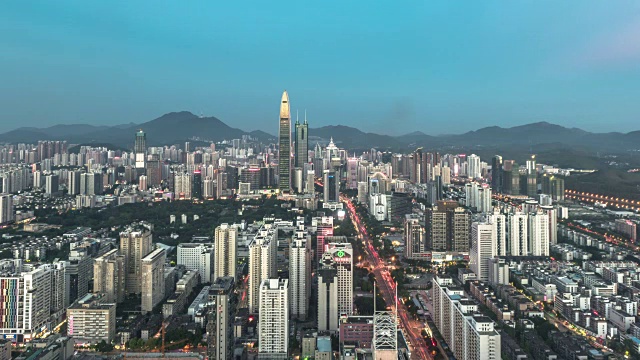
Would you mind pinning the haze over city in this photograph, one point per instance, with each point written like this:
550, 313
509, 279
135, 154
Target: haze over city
421, 65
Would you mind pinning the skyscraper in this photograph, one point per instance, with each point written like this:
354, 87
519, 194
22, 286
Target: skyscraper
262, 263
140, 149
342, 254
6, 208
483, 248
153, 279
327, 294
273, 326
109, 276
135, 244
415, 245
220, 316
302, 143
331, 187
226, 237
496, 174
300, 274
284, 150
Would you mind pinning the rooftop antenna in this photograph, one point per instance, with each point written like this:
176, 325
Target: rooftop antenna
305, 116
297, 122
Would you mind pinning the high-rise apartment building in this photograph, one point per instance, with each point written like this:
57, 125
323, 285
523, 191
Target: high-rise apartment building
73, 182
153, 279
226, 238
273, 325
90, 183
300, 274
109, 276
473, 166
52, 185
538, 233
518, 234
198, 257
263, 252
284, 143
135, 244
499, 223
182, 186
414, 240
6, 208
220, 319
469, 334
447, 227
483, 248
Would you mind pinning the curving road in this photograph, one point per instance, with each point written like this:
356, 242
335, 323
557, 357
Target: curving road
386, 284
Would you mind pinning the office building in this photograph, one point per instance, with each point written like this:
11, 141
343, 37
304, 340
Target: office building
284, 145
91, 320
109, 276
197, 257
331, 187
196, 190
302, 143
273, 325
328, 312
7, 214
483, 248
26, 300
496, 174
447, 227
140, 149
415, 245
226, 238
135, 244
342, 254
300, 274
263, 252
324, 228
220, 319
153, 279
553, 185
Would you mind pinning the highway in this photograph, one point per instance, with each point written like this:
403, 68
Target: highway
386, 284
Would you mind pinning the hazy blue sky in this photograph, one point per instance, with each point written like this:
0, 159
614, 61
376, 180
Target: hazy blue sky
384, 66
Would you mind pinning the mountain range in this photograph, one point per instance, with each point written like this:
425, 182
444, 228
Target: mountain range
177, 127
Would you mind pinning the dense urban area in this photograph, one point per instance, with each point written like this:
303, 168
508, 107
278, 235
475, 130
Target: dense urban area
306, 248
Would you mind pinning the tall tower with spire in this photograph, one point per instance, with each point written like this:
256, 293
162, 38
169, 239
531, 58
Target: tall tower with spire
284, 151
302, 143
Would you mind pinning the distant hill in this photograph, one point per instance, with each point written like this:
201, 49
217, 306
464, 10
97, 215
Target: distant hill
177, 127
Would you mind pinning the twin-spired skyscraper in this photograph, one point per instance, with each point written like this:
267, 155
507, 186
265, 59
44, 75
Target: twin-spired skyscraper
284, 152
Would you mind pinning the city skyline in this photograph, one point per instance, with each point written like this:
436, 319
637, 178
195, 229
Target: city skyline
442, 63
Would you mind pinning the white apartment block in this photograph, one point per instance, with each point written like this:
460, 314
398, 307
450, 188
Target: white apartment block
273, 324
197, 257
153, 279
483, 248
300, 274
